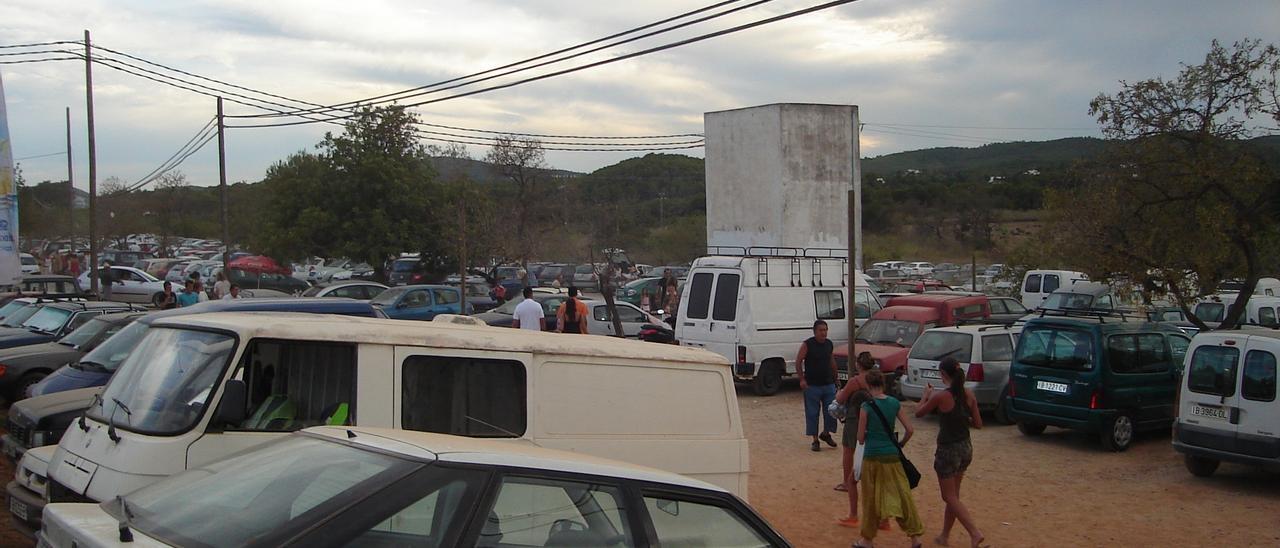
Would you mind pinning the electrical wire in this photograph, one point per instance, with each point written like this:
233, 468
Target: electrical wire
203, 133
924, 136
457, 82
19, 62
41, 44
988, 127
39, 156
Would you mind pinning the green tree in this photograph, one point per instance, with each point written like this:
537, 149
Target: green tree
521, 161
369, 194
1180, 203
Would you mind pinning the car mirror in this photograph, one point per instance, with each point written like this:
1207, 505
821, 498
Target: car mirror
231, 407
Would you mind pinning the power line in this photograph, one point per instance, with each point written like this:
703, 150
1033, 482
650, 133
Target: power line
203, 132
457, 82
40, 44
19, 62
40, 156
989, 127
920, 135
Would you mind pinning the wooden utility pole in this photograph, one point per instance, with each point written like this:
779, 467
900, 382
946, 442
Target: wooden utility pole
222, 191
462, 254
71, 190
93, 168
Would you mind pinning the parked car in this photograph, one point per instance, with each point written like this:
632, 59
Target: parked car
49, 286
415, 488
29, 264
584, 275
1097, 373
361, 291
53, 320
17, 311
419, 302
504, 314
1037, 285
633, 290
680, 272
550, 272
136, 286
405, 271
26, 366
984, 353
1087, 296
175, 274
121, 257
1227, 408
914, 286
918, 268
1006, 310
39, 421
274, 281
479, 296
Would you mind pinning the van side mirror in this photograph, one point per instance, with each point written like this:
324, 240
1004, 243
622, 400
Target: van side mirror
231, 408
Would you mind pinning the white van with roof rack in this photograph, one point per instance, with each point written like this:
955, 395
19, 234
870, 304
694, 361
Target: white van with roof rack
755, 307
201, 387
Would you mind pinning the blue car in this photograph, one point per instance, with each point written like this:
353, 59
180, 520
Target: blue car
96, 367
419, 302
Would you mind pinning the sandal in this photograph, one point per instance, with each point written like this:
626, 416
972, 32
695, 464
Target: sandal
840, 487
848, 522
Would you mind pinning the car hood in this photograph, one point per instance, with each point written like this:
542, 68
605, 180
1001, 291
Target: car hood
23, 338
494, 318
46, 352
70, 378
37, 407
86, 524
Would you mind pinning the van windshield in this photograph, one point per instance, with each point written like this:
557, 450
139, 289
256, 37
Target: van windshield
163, 386
900, 332
1056, 347
111, 353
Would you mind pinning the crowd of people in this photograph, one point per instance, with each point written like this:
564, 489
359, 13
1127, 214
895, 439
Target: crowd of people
64, 263
877, 476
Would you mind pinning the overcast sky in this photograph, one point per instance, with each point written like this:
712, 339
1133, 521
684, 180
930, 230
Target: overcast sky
975, 65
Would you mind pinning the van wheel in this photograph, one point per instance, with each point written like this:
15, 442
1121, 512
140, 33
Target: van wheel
768, 379
1200, 466
1031, 428
1002, 410
1117, 433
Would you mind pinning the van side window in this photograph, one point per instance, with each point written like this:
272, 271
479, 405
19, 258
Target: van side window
726, 306
1104, 303
1144, 353
1051, 283
700, 295
1178, 350
296, 384
1213, 370
1259, 376
997, 348
474, 397
1267, 316
829, 305
1032, 285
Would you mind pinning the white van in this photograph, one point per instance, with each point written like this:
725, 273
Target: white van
1260, 310
755, 311
201, 387
1227, 409
1038, 284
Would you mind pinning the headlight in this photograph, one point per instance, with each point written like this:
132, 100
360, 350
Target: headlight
39, 438
631, 292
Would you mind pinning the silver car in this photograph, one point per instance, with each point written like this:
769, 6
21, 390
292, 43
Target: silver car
984, 353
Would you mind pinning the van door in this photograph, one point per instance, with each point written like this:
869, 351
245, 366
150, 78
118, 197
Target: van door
711, 312
1256, 425
1031, 296
1210, 399
1142, 378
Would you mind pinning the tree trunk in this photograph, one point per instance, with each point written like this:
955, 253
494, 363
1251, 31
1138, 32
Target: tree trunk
1252, 274
607, 289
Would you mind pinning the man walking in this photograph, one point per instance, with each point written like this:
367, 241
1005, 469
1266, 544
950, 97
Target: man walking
816, 367
106, 278
528, 314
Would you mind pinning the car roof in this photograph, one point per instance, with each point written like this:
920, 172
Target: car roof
124, 317
989, 329
46, 278
425, 286
1104, 322
904, 312
89, 305
934, 298
324, 327
512, 453
1243, 332
327, 305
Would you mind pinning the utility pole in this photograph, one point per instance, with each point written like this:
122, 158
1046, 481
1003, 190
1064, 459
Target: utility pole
222, 190
462, 255
71, 190
93, 168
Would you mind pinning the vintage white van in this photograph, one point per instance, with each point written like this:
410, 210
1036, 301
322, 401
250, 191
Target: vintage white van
1037, 285
202, 387
1227, 408
756, 310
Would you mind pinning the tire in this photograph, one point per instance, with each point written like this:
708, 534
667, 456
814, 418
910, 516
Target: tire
19, 389
1117, 432
1001, 414
768, 379
157, 300
1201, 467
1031, 428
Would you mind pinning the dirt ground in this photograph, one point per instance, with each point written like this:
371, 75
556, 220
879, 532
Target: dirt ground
1060, 489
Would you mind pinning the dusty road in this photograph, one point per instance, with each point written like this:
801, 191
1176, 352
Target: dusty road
1060, 489
1056, 490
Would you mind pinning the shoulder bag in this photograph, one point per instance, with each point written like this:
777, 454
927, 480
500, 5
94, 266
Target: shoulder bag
913, 475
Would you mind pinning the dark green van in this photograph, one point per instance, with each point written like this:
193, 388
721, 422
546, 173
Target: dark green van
1105, 374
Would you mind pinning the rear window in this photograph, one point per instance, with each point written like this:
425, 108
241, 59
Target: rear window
404, 265
1213, 370
1259, 376
1267, 316
1032, 285
997, 348
936, 345
1056, 347
1211, 312
971, 311
726, 307
700, 295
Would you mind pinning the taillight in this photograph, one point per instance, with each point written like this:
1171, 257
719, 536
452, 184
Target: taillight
1013, 390
742, 354
1096, 400
2, 369
975, 374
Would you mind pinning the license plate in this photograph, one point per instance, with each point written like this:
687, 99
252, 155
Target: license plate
1055, 387
930, 374
1216, 413
843, 375
18, 508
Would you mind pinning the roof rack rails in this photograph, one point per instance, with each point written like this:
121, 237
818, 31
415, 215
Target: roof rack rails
1101, 314
779, 251
996, 326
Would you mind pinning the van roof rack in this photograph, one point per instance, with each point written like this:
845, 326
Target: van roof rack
1101, 314
782, 252
1006, 327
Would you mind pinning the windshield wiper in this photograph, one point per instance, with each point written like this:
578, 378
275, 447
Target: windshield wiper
97, 400
943, 355
111, 422
85, 365
65, 343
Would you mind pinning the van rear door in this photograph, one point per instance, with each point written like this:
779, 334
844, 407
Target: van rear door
1054, 370
1210, 399
710, 312
1256, 428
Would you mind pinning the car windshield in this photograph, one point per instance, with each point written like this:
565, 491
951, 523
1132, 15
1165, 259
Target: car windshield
1064, 301
404, 265
899, 332
16, 318
389, 297
315, 290
639, 284
281, 488
936, 345
509, 307
48, 320
10, 308
1056, 347
163, 386
584, 269
85, 333
111, 353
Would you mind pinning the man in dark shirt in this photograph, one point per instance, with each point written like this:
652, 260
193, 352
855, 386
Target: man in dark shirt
816, 367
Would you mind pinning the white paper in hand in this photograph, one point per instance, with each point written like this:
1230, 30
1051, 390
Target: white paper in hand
857, 460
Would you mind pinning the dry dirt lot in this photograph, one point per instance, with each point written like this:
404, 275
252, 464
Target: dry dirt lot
1060, 489
1056, 490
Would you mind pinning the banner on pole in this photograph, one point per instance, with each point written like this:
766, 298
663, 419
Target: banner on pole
10, 262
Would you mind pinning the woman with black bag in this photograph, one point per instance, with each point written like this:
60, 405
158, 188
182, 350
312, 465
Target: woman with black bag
887, 476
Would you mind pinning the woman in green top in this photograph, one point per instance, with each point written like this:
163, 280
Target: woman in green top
885, 492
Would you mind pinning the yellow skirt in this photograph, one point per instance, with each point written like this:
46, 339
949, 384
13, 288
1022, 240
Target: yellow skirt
883, 493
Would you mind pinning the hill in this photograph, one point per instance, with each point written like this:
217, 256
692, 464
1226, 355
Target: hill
998, 159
